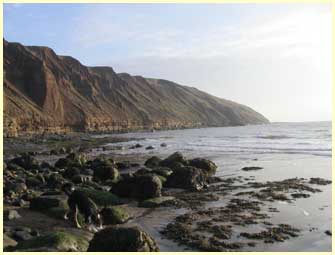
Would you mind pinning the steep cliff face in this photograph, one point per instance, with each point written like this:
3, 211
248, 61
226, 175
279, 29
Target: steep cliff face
44, 92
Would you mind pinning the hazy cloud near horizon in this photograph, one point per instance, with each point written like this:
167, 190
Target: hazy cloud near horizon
275, 58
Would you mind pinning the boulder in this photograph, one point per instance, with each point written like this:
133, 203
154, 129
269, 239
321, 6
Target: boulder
163, 144
101, 198
123, 165
45, 202
139, 186
142, 171
207, 166
70, 172
55, 241
156, 202
26, 161
187, 177
55, 181
122, 239
105, 172
136, 146
35, 181
149, 147
175, 160
11, 215
163, 171
152, 162
114, 215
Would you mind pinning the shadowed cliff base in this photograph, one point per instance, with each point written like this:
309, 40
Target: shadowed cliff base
44, 92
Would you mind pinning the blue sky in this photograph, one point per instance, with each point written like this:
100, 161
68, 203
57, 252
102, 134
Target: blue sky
272, 57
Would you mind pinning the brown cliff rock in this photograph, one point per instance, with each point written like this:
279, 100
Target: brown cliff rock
44, 92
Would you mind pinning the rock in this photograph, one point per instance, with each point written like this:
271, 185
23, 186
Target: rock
26, 161
149, 148
148, 186
328, 233
142, 171
22, 235
101, 198
80, 178
319, 181
70, 172
152, 162
156, 202
251, 168
45, 202
12, 215
55, 181
54, 241
122, 239
79, 159
87, 171
163, 144
114, 215
187, 177
139, 186
106, 172
35, 181
136, 146
162, 179
62, 150
53, 152
45, 165
8, 242
72, 160
123, 165
15, 187
19, 202
163, 171
175, 160
207, 166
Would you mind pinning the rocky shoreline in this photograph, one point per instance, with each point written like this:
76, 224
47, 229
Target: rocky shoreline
128, 190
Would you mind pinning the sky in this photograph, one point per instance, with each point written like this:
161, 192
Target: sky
275, 58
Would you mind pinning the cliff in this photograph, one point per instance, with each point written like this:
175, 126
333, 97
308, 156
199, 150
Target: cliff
44, 92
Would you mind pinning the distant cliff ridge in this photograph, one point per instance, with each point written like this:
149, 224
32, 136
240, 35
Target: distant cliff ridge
44, 92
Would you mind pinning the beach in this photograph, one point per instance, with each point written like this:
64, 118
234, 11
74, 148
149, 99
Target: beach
263, 182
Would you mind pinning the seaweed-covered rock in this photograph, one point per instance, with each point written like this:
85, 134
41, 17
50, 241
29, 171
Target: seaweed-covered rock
70, 172
187, 177
138, 186
162, 171
142, 171
156, 202
54, 241
123, 165
55, 180
207, 166
174, 159
26, 161
152, 162
105, 172
45, 202
71, 160
122, 239
251, 168
114, 215
101, 198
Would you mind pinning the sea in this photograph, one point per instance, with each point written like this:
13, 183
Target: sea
283, 150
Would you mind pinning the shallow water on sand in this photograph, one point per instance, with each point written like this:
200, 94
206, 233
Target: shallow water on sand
284, 150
